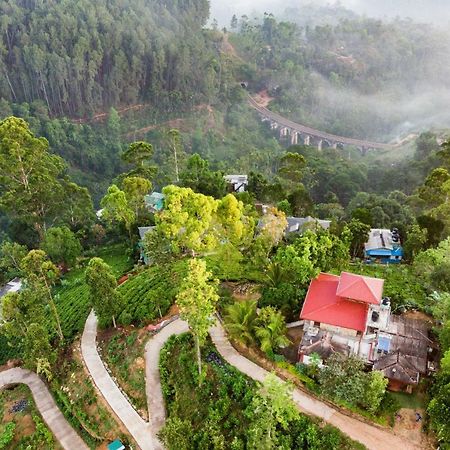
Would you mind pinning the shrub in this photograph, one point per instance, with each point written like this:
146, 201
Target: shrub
125, 318
7, 434
221, 412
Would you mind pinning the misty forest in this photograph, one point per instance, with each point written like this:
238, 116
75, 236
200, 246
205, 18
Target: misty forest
224, 227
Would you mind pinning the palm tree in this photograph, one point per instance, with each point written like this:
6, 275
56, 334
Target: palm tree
271, 330
240, 321
275, 275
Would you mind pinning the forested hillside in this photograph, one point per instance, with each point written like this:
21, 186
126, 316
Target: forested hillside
103, 102
79, 57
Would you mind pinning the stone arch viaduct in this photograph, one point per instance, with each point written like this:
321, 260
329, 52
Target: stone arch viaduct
298, 133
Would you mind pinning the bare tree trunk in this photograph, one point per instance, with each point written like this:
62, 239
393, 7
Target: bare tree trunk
177, 177
10, 86
55, 311
199, 357
39, 230
45, 93
114, 321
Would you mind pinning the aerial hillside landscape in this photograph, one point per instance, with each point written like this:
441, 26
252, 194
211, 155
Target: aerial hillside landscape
224, 227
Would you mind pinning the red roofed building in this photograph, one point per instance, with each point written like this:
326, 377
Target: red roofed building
347, 314
341, 303
360, 288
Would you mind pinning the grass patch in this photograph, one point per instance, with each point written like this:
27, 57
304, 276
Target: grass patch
230, 270
21, 425
410, 401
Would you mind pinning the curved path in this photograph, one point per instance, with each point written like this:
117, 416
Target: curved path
284, 122
155, 399
145, 434
137, 427
372, 437
50, 412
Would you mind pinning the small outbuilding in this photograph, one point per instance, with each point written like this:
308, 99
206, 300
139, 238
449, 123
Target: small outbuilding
236, 183
400, 370
383, 246
301, 224
116, 445
154, 201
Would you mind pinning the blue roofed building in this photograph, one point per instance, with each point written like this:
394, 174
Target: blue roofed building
154, 201
383, 246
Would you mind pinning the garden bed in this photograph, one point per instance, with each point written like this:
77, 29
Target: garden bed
80, 403
220, 410
291, 373
123, 352
21, 425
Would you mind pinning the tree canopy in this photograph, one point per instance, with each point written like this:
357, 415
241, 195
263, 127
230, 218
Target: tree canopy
197, 300
78, 57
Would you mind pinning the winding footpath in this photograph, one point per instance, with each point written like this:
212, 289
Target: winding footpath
136, 426
145, 434
50, 412
155, 399
372, 437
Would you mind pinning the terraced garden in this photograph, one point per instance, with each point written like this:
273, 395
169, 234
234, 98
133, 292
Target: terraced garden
150, 294
72, 295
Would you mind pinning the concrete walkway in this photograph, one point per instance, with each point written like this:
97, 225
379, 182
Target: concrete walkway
137, 427
372, 437
145, 434
156, 408
50, 412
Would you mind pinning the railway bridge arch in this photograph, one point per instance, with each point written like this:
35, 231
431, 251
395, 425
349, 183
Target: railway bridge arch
301, 134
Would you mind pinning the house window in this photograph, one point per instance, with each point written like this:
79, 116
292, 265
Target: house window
317, 324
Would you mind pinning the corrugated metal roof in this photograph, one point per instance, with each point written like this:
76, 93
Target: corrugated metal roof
116, 445
12, 286
380, 238
296, 224
144, 230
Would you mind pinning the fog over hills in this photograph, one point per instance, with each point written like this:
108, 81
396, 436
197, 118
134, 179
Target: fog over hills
436, 11
412, 103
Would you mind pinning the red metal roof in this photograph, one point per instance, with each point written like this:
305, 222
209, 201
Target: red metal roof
360, 288
322, 304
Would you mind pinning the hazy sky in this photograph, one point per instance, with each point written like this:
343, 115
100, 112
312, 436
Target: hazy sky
420, 10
